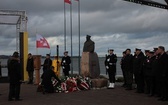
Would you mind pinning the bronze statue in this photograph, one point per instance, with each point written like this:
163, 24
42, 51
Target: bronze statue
89, 45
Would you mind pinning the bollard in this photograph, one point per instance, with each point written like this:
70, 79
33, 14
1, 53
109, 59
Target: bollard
37, 67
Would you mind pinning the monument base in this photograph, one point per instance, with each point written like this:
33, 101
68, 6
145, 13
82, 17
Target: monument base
90, 65
99, 83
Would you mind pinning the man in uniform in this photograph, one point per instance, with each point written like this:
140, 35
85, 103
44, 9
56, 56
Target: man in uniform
129, 69
138, 70
65, 63
163, 74
47, 63
149, 73
110, 64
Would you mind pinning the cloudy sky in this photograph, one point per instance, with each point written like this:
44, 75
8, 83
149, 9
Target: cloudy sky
111, 23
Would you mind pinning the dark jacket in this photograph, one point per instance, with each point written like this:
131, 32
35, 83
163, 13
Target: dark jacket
65, 63
155, 65
111, 61
123, 63
128, 62
47, 64
138, 63
148, 62
163, 65
46, 80
14, 71
30, 64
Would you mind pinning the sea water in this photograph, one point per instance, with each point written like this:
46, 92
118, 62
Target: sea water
75, 66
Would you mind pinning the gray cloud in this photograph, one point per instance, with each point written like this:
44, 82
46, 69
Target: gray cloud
112, 23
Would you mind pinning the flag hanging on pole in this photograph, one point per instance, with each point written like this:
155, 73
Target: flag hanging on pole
67, 1
41, 42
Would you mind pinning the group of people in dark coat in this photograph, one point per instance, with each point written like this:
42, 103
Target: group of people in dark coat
48, 72
150, 71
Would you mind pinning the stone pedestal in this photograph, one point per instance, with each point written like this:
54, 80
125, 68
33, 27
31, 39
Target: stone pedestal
90, 65
99, 83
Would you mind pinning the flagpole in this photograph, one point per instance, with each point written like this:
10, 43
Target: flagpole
79, 33
36, 43
71, 38
64, 28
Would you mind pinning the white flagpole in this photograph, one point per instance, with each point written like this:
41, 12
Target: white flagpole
71, 38
64, 27
79, 32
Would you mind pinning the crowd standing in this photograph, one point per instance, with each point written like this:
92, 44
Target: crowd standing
149, 70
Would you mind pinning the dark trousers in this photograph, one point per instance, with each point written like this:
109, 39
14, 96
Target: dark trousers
124, 76
30, 74
150, 84
111, 74
164, 88
14, 91
0, 71
158, 83
129, 77
66, 72
139, 78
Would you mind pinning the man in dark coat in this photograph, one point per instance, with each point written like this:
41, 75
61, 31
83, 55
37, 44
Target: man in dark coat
65, 63
110, 64
14, 77
47, 80
163, 73
138, 70
30, 68
149, 73
122, 63
47, 63
129, 69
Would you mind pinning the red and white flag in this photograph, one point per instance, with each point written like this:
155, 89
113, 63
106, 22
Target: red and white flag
67, 1
41, 42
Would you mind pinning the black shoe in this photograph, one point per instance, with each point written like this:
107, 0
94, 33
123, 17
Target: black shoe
164, 99
150, 95
10, 99
18, 99
128, 88
124, 85
161, 99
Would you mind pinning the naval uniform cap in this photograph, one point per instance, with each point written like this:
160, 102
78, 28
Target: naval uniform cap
110, 50
147, 51
65, 51
137, 49
47, 54
155, 49
151, 52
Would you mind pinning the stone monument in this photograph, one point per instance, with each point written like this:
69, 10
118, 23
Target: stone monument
89, 61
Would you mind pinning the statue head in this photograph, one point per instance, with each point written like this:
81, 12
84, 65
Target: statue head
88, 37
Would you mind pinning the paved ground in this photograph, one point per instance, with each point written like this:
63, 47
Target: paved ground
117, 96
